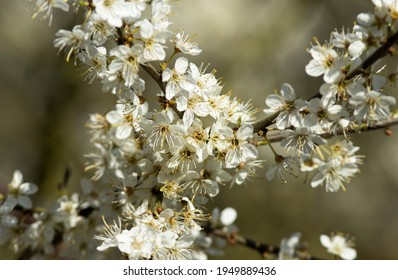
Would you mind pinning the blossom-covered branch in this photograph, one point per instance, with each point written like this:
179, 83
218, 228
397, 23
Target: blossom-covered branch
262, 125
153, 169
384, 124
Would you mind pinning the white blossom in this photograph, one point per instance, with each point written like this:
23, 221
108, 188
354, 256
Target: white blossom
95, 59
67, 211
46, 7
153, 41
282, 164
183, 44
228, 216
127, 62
239, 149
288, 107
323, 58
18, 193
371, 105
288, 246
70, 41
175, 78
339, 245
301, 140
113, 11
333, 174
138, 242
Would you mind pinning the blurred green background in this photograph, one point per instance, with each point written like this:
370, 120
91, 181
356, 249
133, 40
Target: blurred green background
255, 46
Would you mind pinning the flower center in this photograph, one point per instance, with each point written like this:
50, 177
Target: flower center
108, 3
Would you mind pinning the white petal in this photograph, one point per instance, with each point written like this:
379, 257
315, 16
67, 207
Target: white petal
228, 216
211, 187
114, 21
244, 132
310, 120
185, 241
108, 243
270, 174
334, 110
388, 100
274, 101
17, 178
182, 103
28, 188
378, 3
314, 68
146, 29
332, 75
171, 90
325, 241
181, 65
348, 254
249, 151
190, 205
114, 117
317, 53
287, 91
365, 19
317, 180
186, 85
166, 75
356, 48
166, 239
283, 120
317, 139
123, 131
9, 204
188, 118
25, 201
8, 220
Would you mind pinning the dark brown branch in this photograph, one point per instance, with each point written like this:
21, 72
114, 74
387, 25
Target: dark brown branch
379, 53
155, 75
149, 68
265, 250
158, 78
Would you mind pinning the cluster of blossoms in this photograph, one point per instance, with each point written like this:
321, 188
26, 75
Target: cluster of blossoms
351, 97
155, 166
63, 231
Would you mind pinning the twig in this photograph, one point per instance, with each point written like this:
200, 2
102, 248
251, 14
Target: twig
384, 124
265, 250
379, 53
150, 69
158, 79
155, 75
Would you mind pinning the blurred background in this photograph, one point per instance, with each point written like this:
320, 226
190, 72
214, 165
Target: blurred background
255, 46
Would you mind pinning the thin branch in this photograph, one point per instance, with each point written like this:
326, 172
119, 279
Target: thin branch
382, 51
265, 250
264, 123
379, 53
155, 75
150, 69
233, 238
158, 79
384, 124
